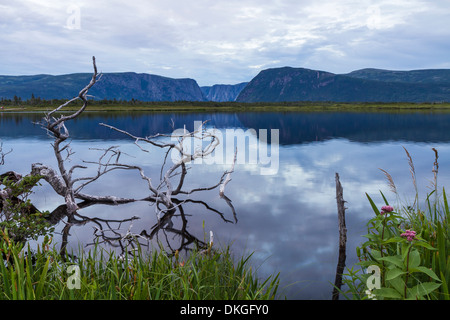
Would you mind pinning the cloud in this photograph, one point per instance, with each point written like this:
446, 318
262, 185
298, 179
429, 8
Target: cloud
221, 41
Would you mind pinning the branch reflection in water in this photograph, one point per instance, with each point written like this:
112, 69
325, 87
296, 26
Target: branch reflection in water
112, 233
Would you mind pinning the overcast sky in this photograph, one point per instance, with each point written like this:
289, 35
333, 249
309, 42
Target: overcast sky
221, 41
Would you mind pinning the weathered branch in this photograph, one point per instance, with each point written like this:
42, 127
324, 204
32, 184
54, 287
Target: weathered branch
51, 176
227, 176
178, 169
56, 127
3, 154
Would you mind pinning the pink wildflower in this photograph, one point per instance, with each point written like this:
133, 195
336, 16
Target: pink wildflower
409, 235
385, 209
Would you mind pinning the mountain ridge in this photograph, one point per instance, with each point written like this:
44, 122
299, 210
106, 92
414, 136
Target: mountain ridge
301, 84
120, 86
410, 76
269, 85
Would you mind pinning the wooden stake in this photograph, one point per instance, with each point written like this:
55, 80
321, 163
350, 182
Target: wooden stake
342, 239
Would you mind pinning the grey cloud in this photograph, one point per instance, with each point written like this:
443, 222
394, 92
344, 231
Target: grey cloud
222, 41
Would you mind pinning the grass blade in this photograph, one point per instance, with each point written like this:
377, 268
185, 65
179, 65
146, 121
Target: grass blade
374, 207
42, 279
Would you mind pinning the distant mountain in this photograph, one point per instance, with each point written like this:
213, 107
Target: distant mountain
271, 85
413, 76
367, 85
222, 92
120, 86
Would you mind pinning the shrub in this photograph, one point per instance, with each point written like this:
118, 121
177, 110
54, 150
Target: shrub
18, 215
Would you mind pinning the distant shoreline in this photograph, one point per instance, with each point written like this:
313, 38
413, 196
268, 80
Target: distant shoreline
185, 106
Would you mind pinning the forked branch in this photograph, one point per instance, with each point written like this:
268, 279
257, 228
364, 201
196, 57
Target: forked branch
57, 128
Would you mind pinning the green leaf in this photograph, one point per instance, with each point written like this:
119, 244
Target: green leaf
394, 273
371, 236
425, 245
445, 287
41, 284
398, 283
405, 249
376, 254
393, 239
444, 196
414, 259
387, 293
6, 284
29, 287
422, 289
441, 246
374, 207
378, 224
396, 260
384, 198
427, 271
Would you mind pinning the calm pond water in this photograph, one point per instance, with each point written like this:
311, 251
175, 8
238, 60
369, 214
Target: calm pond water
287, 216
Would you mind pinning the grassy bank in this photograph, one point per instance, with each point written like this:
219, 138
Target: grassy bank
186, 106
101, 275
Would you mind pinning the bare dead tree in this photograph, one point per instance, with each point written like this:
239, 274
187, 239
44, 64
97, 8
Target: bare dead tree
164, 194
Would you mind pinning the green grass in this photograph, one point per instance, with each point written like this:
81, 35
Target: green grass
187, 106
106, 276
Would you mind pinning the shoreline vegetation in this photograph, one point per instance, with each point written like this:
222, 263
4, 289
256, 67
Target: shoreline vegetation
36, 105
406, 254
97, 274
